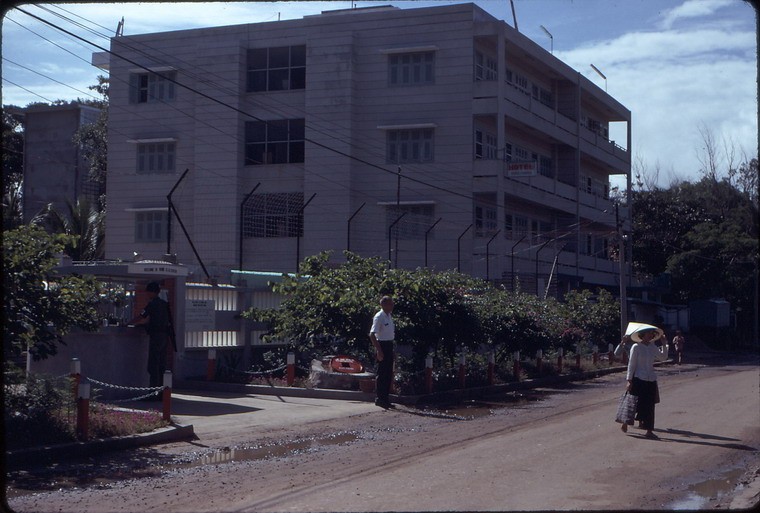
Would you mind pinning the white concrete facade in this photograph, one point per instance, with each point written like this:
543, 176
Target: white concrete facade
479, 98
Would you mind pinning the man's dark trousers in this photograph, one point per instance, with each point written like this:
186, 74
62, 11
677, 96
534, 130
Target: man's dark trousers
385, 372
157, 358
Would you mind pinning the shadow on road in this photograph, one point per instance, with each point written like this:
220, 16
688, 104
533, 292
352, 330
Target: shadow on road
690, 437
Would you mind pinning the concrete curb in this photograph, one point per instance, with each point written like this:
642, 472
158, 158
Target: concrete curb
40, 455
409, 400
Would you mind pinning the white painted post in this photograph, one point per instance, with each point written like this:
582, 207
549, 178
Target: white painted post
429, 374
83, 411
291, 370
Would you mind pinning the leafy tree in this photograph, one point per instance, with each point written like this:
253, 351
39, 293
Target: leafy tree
661, 218
332, 310
13, 148
92, 138
329, 309
436, 312
590, 320
704, 235
515, 321
40, 307
12, 207
84, 222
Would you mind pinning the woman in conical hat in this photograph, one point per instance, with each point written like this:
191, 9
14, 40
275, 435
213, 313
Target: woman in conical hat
641, 376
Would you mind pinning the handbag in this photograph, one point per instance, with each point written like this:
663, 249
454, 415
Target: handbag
626, 409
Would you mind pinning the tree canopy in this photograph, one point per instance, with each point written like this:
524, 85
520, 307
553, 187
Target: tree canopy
329, 309
704, 235
40, 307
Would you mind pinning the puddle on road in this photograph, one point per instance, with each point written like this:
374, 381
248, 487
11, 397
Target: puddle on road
700, 494
477, 408
67, 477
235, 454
23, 483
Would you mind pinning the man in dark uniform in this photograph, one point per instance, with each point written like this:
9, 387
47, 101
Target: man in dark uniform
157, 321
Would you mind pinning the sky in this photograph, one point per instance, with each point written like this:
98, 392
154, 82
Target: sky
686, 69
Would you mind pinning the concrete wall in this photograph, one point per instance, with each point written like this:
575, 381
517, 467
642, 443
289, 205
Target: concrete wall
115, 355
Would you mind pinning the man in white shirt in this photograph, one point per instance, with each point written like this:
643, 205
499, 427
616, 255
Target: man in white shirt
382, 335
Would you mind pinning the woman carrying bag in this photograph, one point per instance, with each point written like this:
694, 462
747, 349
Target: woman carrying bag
641, 376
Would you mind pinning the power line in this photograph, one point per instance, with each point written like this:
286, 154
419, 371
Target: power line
191, 89
235, 109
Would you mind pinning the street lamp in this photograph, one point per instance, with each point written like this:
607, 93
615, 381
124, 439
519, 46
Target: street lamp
551, 37
601, 75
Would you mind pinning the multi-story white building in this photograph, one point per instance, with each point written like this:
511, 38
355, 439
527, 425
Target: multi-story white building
435, 136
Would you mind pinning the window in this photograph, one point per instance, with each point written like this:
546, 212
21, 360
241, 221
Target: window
414, 145
485, 220
416, 221
150, 226
520, 154
485, 67
543, 95
274, 215
542, 231
595, 246
485, 145
276, 69
411, 68
518, 80
515, 226
152, 87
545, 166
156, 157
279, 141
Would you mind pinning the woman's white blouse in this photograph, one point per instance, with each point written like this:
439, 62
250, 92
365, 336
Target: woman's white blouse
642, 358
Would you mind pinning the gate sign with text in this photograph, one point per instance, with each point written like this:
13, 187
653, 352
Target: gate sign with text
524, 168
200, 315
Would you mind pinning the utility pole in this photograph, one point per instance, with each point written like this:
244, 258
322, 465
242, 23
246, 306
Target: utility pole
621, 258
398, 212
298, 236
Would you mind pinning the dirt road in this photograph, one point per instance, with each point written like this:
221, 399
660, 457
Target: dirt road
561, 453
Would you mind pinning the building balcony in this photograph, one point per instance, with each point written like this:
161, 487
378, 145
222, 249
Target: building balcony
526, 110
488, 174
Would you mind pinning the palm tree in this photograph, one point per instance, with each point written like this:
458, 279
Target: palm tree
12, 208
85, 222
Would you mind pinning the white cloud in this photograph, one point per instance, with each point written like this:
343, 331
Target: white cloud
693, 9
